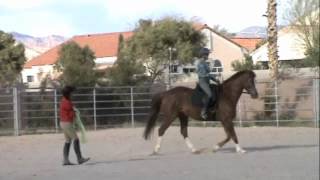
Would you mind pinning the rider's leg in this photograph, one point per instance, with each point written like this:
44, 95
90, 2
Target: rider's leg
204, 84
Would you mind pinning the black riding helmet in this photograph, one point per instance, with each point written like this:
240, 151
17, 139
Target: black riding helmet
204, 52
67, 90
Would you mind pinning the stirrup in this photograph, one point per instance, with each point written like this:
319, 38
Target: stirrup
204, 115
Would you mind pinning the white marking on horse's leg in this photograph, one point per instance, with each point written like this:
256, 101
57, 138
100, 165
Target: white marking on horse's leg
239, 149
190, 145
158, 145
216, 148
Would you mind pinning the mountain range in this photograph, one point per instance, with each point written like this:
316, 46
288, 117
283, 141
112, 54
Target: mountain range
253, 32
38, 45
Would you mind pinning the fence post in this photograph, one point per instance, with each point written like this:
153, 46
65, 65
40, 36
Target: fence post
316, 101
56, 111
277, 105
94, 109
132, 107
15, 111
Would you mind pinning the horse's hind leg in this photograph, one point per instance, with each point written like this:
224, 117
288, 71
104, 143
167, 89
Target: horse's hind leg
162, 129
184, 132
222, 143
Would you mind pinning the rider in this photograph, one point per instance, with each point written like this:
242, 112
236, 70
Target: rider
203, 71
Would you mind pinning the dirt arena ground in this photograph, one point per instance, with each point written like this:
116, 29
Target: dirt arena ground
273, 153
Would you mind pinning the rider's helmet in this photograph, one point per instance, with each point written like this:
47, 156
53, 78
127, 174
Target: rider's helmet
204, 52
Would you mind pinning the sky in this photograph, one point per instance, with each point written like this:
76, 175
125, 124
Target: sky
76, 17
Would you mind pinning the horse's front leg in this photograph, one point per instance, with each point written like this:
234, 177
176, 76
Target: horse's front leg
235, 139
231, 134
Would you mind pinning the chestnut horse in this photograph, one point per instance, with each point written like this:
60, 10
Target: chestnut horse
176, 103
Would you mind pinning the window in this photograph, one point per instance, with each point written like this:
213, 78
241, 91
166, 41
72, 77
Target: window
30, 78
174, 68
188, 70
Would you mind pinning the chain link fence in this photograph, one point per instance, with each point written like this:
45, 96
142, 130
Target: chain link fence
291, 102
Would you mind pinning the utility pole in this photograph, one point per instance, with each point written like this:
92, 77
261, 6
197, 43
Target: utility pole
170, 59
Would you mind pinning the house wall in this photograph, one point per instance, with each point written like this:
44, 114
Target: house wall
223, 49
40, 72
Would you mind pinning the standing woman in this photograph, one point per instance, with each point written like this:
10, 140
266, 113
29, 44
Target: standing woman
67, 118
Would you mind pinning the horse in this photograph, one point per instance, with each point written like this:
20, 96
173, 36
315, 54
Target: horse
177, 103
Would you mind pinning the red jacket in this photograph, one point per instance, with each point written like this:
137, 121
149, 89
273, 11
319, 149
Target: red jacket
66, 110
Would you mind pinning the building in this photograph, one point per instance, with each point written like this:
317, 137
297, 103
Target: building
223, 52
103, 45
291, 48
250, 43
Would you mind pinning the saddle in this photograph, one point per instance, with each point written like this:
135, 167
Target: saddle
198, 97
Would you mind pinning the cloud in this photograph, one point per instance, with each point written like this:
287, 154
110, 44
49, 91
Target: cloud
23, 4
38, 24
69, 17
231, 14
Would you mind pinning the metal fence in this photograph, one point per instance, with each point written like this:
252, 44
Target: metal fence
292, 102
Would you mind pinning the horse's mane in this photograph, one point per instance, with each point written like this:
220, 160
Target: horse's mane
240, 73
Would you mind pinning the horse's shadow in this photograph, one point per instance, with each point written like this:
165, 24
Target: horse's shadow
269, 148
207, 150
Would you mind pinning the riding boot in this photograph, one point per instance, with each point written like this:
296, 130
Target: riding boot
66, 150
204, 111
77, 150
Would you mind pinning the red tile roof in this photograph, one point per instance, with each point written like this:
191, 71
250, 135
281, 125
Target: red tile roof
103, 45
248, 43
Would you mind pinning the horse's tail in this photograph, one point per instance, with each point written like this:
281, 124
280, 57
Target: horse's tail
155, 108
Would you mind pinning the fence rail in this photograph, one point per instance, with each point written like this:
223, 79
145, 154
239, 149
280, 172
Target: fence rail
290, 102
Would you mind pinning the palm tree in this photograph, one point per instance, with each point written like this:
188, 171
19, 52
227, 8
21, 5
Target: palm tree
272, 38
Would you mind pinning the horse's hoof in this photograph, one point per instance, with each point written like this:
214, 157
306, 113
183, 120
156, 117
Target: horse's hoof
215, 149
196, 152
241, 151
154, 153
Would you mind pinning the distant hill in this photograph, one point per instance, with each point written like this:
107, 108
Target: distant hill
39, 44
253, 32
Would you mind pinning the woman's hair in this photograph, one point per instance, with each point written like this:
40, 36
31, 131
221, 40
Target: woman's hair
67, 90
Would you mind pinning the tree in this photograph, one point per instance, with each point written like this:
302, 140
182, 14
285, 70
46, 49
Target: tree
246, 64
126, 69
12, 59
150, 44
272, 38
303, 15
77, 65
223, 31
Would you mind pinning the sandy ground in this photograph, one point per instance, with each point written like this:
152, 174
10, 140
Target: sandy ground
273, 153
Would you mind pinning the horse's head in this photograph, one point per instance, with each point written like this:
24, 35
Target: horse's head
249, 84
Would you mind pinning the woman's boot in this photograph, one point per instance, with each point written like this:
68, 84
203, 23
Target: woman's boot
66, 150
77, 150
